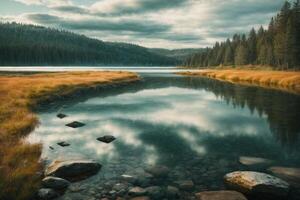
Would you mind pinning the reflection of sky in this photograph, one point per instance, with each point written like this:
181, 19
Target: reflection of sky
155, 126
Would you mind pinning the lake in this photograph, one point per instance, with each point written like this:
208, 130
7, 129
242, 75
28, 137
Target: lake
197, 127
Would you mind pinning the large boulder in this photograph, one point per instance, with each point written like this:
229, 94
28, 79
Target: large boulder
73, 170
291, 175
257, 184
55, 183
220, 195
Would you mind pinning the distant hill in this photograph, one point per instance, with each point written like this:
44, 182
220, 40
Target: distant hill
35, 45
180, 54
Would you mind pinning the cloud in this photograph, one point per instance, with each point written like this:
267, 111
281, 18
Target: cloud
45, 2
156, 23
122, 7
136, 26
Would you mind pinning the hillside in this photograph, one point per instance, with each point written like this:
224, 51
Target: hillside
35, 45
180, 54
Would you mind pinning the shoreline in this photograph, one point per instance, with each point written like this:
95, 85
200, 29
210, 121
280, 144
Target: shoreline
281, 80
20, 95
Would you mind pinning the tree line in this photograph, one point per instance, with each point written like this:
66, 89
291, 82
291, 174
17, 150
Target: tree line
277, 46
36, 45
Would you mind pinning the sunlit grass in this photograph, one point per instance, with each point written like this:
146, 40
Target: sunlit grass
284, 80
20, 168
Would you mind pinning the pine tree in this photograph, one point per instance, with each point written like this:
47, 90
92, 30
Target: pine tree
252, 46
229, 54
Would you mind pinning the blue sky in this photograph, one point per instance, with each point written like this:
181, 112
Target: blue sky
151, 23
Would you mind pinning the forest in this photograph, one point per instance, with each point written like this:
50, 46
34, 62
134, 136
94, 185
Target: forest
277, 46
36, 45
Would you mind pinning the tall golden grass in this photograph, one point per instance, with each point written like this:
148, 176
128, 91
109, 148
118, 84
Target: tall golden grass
283, 80
19, 161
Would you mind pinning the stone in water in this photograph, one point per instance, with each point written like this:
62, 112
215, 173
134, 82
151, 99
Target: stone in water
257, 184
106, 139
61, 115
75, 124
73, 170
63, 144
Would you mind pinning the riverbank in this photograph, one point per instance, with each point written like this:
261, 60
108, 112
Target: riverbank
20, 166
282, 80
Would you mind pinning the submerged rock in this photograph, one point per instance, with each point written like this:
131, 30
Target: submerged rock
254, 161
55, 183
63, 144
106, 139
257, 184
137, 191
73, 169
185, 185
129, 178
75, 124
291, 175
172, 192
61, 115
158, 170
47, 194
141, 198
220, 195
155, 192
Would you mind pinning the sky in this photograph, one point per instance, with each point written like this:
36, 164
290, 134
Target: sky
151, 23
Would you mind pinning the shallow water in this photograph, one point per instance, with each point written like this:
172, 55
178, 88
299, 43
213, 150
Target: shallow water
196, 127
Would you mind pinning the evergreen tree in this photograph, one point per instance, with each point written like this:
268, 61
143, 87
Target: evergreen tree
278, 46
252, 46
229, 54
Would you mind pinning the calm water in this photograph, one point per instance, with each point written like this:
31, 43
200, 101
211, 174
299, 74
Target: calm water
197, 127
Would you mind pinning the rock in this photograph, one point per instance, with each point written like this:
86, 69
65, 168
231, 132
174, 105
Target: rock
106, 139
254, 161
220, 195
63, 144
120, 186
185, 185
158, 171
75, 124
61, 115
140, 198
47, 194
128, 178
155, 192
144, 179
137, 191
291, 175
73, 169
257, 184
172, 192
55, 183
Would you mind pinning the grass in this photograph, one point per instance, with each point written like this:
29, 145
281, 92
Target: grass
283, 80
20, 166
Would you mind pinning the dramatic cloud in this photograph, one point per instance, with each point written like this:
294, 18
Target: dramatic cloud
101, 25
153, 23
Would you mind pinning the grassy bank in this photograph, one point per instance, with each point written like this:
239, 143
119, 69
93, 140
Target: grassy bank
19, 161
283, 80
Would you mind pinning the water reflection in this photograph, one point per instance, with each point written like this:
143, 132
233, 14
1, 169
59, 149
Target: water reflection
176, 121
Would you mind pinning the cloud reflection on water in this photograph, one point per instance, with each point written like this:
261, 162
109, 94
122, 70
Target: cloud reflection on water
154, 122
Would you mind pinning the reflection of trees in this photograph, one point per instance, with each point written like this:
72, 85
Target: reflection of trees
281, 109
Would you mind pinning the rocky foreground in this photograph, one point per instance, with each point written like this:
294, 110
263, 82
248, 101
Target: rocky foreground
145, 184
